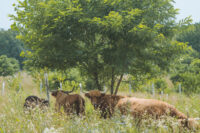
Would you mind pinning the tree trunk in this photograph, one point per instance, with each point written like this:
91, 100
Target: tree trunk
96, 75
112, 81
118, 84
96, 78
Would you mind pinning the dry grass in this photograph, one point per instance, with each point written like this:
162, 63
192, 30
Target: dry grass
13, 119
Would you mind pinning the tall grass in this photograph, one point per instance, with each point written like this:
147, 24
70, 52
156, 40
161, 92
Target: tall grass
13, 119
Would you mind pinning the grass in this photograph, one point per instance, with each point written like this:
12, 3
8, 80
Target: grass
13, 119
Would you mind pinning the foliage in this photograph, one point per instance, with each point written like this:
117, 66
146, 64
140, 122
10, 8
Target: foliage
14, 82
11, 46
188, 73
8, 66
105, 39
139, 81
68, 78
189, 82
192, 37
160, 85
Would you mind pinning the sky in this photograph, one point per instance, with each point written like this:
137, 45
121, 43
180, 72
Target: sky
187, 8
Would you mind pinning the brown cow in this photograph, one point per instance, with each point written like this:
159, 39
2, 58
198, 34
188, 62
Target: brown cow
34, 101
139, 107
70, 102
106, 103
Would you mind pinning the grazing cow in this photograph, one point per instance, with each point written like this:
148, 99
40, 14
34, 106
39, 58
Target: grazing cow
106, 103
140, 108
34, 101
70, 102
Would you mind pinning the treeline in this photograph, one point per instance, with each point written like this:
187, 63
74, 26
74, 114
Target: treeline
10, 49
187, 69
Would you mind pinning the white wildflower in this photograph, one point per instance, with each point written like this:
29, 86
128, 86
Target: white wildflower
52, 130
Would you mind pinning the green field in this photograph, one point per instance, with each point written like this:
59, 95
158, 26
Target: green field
14, 120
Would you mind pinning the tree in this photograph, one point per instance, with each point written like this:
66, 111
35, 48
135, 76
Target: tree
8, 66
192, 37
11, 46
105, 39
187, 72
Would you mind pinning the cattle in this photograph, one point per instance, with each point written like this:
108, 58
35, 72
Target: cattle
141, 108
106, 103
70, 102
33, 101
137, 107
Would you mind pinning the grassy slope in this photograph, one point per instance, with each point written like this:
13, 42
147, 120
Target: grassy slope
13, 118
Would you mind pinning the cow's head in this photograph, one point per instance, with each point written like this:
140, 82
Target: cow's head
95, 97
56, 92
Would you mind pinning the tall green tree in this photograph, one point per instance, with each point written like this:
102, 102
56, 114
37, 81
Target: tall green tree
10, 46
105, 39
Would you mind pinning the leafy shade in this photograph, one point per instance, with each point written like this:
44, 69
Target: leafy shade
105, 39
8, 66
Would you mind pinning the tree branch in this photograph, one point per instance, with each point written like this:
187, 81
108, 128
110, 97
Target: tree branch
119, 81
112, 81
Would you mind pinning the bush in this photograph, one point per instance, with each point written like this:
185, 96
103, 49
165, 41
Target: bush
190, 82
8, 66
160, 85
14, 82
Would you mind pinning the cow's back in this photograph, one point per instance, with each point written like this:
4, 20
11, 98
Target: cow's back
140, 107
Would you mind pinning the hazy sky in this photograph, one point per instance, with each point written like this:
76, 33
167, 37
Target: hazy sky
187, 8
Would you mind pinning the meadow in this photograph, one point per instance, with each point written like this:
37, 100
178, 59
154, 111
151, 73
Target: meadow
13, 119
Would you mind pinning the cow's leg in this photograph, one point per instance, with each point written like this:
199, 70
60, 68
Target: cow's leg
68, 108
110, 112
57, 107
104, 113
78, 109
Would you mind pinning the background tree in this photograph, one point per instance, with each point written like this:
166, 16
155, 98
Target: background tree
187, 72
10, 46
192, 37
105, 39
8, 66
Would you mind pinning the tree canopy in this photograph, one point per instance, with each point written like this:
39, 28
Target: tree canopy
105, 39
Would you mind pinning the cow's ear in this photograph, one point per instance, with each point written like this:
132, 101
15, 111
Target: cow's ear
103, 94
87, 95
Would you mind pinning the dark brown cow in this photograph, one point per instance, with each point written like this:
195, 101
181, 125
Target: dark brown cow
106, 103
70, 102
34, 101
